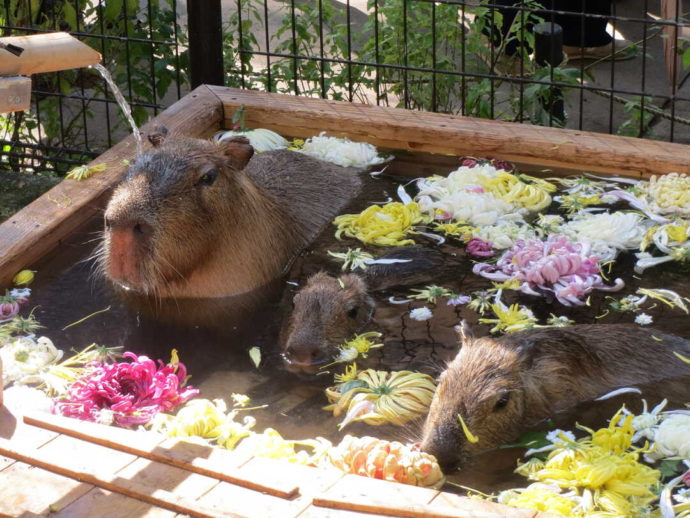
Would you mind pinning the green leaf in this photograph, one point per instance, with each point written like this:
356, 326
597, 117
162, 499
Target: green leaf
112, 10
353, 384
529, 440
669, 468
255, 355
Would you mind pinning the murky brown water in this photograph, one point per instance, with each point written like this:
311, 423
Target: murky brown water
215, 349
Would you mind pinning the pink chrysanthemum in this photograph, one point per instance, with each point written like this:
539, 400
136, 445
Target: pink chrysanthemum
556, 265
126, 393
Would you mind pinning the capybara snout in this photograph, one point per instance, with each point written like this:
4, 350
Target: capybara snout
500, 387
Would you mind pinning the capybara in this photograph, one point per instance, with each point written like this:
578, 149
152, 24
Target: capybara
197, 218
503, 386
328, 310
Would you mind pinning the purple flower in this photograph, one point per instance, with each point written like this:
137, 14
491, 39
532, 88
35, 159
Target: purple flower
8, 310
503, 164
686, 478
479, 248
556, 265
459, 300
126, 393
469, 162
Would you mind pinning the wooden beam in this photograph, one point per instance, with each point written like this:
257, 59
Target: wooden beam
40, 226
48, 52
456, 135
15, 94
65, 467
224, 466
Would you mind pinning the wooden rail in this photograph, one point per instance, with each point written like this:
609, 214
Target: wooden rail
456, 135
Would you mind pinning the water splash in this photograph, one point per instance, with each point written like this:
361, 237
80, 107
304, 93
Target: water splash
124, 105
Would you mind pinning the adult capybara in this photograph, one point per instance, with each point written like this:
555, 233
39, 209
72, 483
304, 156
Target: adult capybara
329, 311
196, 218
503, 386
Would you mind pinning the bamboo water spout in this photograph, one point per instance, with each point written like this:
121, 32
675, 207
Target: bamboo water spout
39, 53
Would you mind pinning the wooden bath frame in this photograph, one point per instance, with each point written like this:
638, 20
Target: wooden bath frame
41, 226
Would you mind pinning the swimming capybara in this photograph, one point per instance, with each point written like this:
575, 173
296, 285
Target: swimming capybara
503, 386
196, 218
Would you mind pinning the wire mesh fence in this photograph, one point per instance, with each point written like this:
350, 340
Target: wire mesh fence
473, 58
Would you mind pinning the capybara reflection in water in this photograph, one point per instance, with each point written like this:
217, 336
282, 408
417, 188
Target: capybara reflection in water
328, 311
503, 386
196, 218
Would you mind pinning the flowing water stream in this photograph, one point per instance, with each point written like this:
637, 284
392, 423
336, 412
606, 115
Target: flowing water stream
122, 103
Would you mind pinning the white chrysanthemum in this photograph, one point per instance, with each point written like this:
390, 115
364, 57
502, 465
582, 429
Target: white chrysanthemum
560, 437
341, 151
645, 422
682, 496
504, 234
476, 209
25, 357
643, 319
20, 293
261, 139
607, 233
672, 438
421, 314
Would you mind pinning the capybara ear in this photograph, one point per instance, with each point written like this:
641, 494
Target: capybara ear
352, 282
237, 150
158, 135
465, 334
527, 352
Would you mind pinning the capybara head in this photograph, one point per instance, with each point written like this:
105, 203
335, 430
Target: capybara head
164, 219
484, 385
327, 312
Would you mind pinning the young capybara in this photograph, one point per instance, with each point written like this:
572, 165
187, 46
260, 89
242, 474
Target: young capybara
196, 218
329, 311
503, 386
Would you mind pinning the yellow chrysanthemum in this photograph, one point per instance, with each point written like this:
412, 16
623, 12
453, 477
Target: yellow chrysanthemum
382, 397
385, 225
539, 498
510, 188
510, 319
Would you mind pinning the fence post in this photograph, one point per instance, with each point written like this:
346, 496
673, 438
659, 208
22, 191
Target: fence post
205, 25
548, 50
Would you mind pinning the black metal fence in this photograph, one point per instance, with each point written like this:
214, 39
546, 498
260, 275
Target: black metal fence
499, 59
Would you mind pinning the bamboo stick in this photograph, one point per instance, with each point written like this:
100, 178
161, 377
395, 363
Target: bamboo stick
46, 53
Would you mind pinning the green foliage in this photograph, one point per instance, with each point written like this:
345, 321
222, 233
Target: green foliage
144, 71
408, 53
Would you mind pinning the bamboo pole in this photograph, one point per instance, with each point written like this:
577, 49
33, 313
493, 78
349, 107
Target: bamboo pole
45, 53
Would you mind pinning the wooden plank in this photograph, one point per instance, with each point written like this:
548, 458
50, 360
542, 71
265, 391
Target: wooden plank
15, 94
312, 481
204, 460
106, 504
40, 226
322, 512
474, 505
355, 493
47, 53
152, 495
457, 135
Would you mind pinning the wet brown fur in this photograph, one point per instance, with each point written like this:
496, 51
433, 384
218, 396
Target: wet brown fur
503, 386
329, 311
226, 238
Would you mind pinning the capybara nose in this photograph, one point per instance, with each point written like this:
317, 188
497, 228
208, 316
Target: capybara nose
129, 246
305, 355
446, 453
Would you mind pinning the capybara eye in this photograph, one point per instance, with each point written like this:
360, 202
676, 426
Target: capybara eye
208, 177
502, 402
353, 312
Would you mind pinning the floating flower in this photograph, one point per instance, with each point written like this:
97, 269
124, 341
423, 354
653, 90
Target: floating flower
270, 444
661, 196
510, 319
481, 301
504, 234
83, 172
561, 321
379, 397
129, 392
421, 314
643, 319
24, 278
260, 139
458, 300
479, 248
540, 497
349, 374
670, 239
25, 357
387, 225
457, 229
607, 233
342, 151
431, 293
672, 438
556, 266
385, 460
357, 259
358, 346
668, 297
645, 423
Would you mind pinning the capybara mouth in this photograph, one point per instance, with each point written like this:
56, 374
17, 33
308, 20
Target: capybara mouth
298, 367
127, 261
